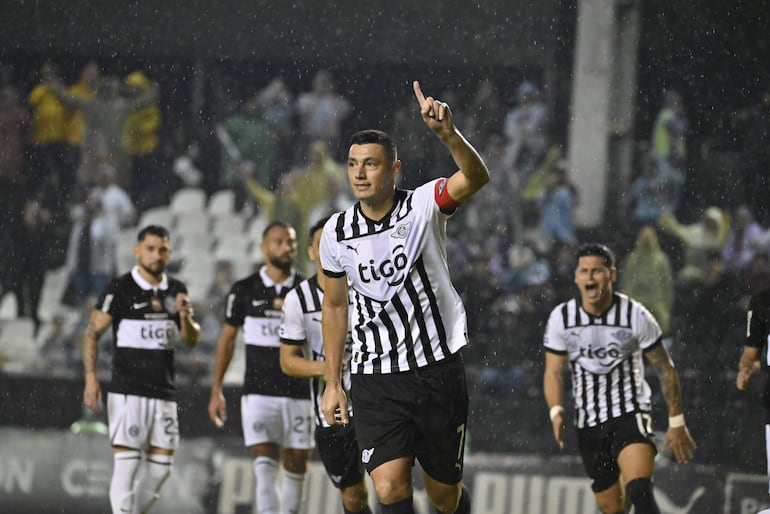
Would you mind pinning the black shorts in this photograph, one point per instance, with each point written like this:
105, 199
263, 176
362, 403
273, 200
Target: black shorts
601, 445
338, 450
419, 414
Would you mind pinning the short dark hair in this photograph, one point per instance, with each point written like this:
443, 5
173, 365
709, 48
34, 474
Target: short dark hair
277, 223
377, 137
153, 230
318, 225
597, 250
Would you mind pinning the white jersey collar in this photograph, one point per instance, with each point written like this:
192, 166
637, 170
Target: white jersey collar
269, 282
144, 284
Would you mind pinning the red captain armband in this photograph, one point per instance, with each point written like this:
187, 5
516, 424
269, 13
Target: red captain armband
445, 202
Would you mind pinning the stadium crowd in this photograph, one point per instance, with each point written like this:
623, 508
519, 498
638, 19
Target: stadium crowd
86, 162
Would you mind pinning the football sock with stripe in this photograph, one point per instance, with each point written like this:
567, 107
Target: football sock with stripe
266, 471
291, 491
157, 470
125, 467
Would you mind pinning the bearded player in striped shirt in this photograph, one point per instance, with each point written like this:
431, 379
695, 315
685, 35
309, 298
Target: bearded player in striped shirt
408, 323
603, 334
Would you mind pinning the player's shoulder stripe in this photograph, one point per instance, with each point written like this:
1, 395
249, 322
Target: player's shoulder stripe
307, 293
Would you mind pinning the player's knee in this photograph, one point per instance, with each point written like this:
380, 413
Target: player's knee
392, 491
296, 460
354, 498
640, 493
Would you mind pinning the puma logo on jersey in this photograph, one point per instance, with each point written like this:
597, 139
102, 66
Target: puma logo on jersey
141, 305
354, 248
401, 231
258, 303
366, 455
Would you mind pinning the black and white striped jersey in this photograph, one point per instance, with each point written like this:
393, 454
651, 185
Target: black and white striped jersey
254, 303
605, 356
145, 324
406, 313
301, 325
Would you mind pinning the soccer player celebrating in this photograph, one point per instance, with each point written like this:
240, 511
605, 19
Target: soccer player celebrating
408, 323
149, 313
302, 355
604, 334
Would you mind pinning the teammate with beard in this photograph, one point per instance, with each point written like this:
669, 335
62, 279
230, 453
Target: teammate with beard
276, 412
149, 312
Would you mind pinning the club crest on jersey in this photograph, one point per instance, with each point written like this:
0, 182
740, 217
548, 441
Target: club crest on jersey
170, 304
156, 304
401, 231
622, 335
277, 303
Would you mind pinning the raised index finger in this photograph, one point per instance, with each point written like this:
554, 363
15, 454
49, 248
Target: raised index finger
418, 93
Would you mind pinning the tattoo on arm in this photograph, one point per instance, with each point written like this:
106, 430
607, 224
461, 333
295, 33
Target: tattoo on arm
91, 345
669, 381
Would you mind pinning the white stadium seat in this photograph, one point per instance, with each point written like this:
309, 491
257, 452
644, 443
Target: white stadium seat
17, 344
188, 199
221, 202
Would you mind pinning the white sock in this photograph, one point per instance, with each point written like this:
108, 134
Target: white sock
291, 492
266, 471
157, 470
125, 467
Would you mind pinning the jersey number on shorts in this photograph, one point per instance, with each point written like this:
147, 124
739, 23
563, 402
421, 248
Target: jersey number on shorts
302, 424
461, 431
171, 427
644, 422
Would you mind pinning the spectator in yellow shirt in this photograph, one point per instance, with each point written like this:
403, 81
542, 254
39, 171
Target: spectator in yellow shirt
141, 139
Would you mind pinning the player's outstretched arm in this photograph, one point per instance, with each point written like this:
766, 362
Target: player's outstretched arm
473, 173
97, 325
678, 437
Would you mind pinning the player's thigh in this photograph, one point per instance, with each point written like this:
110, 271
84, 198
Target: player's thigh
137, 421
297, 424
383, 419
164, 432
595, 448
633, 446
127, 420
262, 419
442, 422
637, 460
